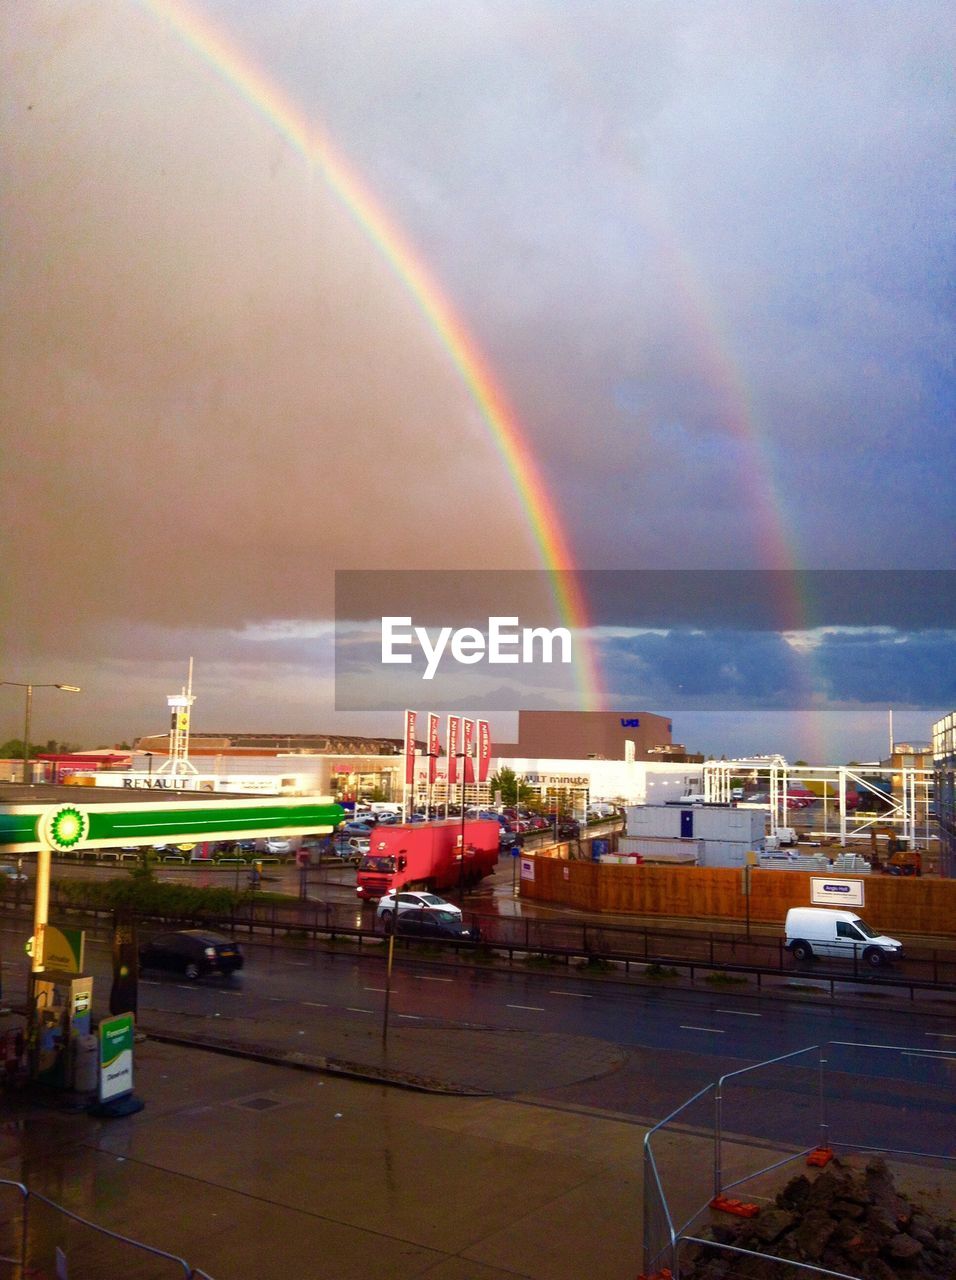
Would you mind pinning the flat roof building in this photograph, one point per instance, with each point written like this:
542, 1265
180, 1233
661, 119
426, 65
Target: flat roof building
583, 735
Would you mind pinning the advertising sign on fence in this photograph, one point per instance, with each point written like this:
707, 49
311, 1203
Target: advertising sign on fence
836, 893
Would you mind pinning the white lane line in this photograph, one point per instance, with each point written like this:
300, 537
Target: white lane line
717, 1031
576, 995
230, 993
300, 964
532, 1008
412, 1017
739, 1013
350, 1008
380, 990
148, 982
427, 977
939, 1035
315, 1004
929, 1056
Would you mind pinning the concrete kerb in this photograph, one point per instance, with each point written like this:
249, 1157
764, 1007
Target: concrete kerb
317, 1064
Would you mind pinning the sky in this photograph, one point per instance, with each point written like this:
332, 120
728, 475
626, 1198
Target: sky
701, 252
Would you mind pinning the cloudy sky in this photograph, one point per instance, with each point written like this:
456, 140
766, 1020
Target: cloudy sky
703, 250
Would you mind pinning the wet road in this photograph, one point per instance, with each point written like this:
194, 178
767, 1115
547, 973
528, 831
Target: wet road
676, 1041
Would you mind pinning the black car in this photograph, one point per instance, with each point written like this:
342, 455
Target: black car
432, 922
191, 952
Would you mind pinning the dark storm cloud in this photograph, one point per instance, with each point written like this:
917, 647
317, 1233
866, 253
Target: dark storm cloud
684, 669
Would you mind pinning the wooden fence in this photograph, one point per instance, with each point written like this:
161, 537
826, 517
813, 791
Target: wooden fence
906, 904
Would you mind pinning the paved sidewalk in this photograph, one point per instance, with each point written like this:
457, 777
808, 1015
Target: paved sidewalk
253, 1171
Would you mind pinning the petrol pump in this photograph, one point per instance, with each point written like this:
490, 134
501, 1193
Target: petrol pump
61, 1005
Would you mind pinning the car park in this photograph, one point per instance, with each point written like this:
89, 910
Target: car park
194, 953
409, 900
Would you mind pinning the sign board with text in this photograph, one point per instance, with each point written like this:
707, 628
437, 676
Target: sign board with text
116, 1056
829, 891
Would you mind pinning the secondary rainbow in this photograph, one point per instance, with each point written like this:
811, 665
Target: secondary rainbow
232, 66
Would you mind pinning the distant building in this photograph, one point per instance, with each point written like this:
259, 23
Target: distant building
944, 765
589, 735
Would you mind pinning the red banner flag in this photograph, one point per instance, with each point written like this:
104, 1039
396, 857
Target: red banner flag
484, 750
454, 724
433, 747
468, 747
411, 719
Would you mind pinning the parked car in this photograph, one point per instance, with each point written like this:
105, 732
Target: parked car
351, 849
432, 922
357, 828
12, 873
277, 845
409, 900
191, 952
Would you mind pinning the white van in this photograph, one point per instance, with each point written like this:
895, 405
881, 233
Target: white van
826, 931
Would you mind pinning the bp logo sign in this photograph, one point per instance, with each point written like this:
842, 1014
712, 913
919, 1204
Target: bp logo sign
64, 828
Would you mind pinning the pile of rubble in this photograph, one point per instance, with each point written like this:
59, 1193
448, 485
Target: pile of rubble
850, 1218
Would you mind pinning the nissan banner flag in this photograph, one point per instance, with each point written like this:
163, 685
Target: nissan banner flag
468, 746
410, 721
484, 750
433, 747
453, 729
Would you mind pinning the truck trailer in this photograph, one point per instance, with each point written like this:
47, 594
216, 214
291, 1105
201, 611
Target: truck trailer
428, 855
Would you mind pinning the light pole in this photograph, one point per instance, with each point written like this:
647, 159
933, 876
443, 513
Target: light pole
28, 714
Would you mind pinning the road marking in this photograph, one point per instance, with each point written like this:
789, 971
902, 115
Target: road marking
380, 990
532, 1008
426, 977
350, 1008
230, 993
315, 1004
717, 1031
939, 1035
302, 964
577, 995
929, 1055
740, 1013
412, 1017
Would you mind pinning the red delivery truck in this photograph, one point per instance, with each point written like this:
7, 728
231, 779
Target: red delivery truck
427, 855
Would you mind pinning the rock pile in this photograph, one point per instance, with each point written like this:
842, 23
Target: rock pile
850, 1218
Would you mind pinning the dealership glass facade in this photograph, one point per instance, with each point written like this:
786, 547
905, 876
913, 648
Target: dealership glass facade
944, 763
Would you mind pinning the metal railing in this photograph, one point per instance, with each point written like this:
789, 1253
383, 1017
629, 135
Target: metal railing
731, 1135
570, 940
40, 1237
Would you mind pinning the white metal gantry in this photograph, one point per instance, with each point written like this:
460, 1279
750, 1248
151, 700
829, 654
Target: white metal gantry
907, 805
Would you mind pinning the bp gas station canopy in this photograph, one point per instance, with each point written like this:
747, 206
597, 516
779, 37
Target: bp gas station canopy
69, 819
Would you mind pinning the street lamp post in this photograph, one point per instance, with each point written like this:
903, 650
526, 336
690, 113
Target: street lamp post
28, 715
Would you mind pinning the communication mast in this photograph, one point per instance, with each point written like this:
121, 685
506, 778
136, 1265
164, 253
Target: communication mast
177, 763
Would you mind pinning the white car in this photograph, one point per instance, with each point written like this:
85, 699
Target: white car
13, 874
412, 901
277, 845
